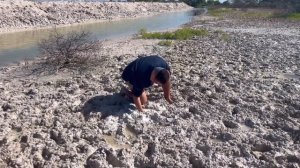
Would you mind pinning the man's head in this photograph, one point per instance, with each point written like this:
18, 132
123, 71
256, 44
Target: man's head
162, 75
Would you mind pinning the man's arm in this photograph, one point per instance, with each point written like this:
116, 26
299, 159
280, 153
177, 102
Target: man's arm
138, 104
167, 91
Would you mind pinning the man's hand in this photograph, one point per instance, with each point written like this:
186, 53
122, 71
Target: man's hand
138, 104
167, 91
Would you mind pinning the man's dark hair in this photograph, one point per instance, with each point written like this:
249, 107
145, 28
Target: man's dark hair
163, 76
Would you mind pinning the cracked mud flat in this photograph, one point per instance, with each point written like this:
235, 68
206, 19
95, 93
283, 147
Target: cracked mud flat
237, 104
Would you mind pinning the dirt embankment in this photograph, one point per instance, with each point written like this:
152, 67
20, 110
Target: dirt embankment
16, 15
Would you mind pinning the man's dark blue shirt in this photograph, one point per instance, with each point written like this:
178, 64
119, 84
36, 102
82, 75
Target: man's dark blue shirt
138, 72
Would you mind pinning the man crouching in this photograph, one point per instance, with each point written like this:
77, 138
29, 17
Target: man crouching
143, 73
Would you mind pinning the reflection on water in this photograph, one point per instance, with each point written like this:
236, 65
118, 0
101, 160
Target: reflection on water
19, 39
289, 76
113, 143
17, 46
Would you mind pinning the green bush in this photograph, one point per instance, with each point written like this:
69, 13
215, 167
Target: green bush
257, 15
167, 43
241, 13
142, 31
181, 34
223, 35
294, 16
290, 16
219, 11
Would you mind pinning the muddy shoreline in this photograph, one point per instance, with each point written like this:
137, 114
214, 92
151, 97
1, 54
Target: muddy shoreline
236, 94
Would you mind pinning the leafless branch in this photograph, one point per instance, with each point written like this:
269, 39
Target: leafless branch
72, 49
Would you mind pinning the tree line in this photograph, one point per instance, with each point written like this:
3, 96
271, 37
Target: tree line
290, 5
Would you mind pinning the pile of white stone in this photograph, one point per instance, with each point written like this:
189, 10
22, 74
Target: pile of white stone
28, 14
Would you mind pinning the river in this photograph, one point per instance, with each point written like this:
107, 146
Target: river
18, 46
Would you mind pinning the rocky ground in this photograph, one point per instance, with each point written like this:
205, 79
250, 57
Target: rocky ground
21, 14
237, 104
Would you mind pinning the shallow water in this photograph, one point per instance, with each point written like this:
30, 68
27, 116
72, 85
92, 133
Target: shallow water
112, 142
19, 46
289, 76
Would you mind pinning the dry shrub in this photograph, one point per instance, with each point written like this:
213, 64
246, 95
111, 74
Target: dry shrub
75, 49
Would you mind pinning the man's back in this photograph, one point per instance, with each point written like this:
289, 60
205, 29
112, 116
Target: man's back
139, 71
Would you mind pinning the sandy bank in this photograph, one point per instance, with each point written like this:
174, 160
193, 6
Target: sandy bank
22, 15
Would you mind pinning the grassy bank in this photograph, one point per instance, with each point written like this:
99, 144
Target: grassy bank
255, 13
293, 16
180, 34
252, 13
218, 12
